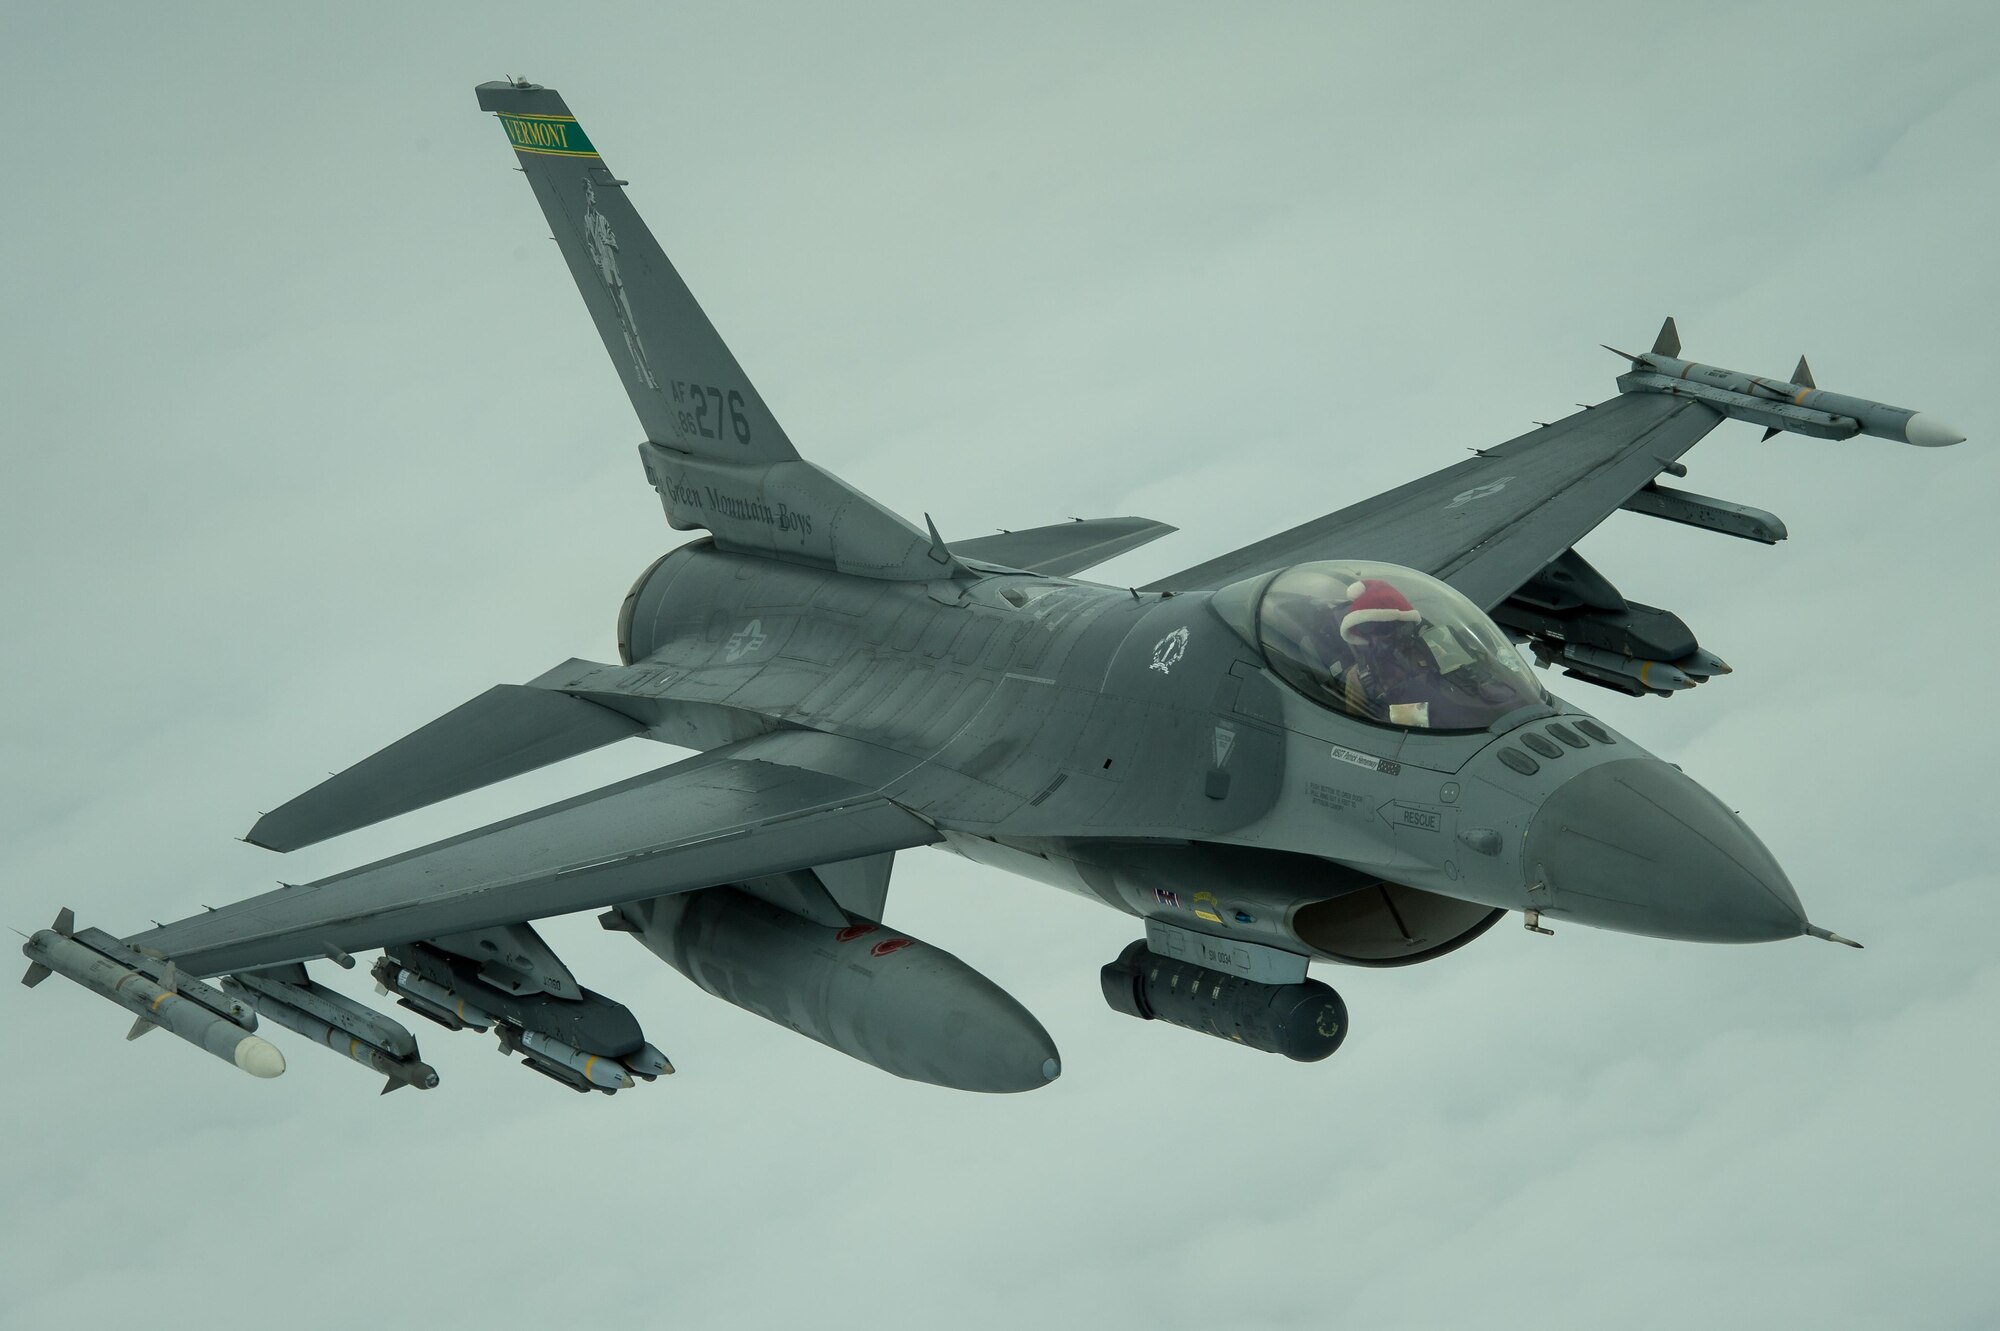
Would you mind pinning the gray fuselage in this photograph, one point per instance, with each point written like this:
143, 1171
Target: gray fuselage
1134, 748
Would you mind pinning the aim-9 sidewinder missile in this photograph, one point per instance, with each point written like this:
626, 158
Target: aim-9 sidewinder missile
1797, 404
154, 991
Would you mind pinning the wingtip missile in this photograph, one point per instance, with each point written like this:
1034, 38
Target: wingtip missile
1927, 431
1797, 405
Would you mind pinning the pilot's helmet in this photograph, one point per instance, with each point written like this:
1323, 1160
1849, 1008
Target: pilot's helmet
1376, 610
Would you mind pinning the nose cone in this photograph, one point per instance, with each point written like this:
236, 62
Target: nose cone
1927, 431
1636, 846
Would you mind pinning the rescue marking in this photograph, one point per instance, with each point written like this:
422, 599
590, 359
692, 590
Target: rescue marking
1225, 744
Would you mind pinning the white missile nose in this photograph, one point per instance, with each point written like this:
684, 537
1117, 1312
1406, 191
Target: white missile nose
1927, 431
259, 1057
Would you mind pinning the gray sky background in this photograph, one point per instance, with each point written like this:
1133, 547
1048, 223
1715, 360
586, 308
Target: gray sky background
308, 439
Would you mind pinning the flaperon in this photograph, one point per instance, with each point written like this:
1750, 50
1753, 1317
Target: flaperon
1325, 746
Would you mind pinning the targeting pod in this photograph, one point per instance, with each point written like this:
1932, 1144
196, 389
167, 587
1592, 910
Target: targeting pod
1304, 1021
154, 991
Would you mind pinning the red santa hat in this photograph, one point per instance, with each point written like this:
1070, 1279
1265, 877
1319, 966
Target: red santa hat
1375, 602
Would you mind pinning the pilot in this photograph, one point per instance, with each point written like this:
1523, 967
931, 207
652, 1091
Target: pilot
1395, 675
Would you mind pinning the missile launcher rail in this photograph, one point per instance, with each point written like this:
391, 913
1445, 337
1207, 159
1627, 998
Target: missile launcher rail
1796, 405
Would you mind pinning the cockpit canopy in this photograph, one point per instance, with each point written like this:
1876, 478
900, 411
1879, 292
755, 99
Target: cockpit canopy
1391, 646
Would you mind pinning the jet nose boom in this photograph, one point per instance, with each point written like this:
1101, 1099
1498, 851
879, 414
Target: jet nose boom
1636, 846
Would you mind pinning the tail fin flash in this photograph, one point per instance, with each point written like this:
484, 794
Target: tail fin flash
687, 388
713, 451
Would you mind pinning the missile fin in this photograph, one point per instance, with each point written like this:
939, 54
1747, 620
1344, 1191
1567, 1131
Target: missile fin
1668, 343
170, 979
37, 972
139, 1027
65, 922
389, 1085
1770, 432
1803, 375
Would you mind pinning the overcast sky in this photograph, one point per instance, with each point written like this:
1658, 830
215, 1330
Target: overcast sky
308, 439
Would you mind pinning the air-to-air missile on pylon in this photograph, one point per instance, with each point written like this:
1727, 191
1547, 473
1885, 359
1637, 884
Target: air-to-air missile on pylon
1321, 747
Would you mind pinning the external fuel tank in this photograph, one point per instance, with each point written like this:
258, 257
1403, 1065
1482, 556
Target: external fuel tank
890, 1000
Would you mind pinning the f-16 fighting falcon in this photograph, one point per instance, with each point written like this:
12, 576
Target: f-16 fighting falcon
1323, 747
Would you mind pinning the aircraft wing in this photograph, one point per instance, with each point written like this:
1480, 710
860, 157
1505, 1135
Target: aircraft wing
722, 817
1488, 524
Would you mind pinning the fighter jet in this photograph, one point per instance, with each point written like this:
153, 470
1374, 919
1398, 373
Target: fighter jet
1327, 746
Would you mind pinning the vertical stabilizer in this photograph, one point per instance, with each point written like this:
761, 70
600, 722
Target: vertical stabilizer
713, 450
686, 386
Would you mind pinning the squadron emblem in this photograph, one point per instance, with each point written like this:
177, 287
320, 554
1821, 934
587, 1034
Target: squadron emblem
1169, 650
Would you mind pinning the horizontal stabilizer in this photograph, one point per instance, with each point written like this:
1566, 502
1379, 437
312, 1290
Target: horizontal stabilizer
505, 731
722, 817
1064, 548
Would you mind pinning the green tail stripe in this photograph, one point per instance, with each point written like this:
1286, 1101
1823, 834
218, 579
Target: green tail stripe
558, 136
